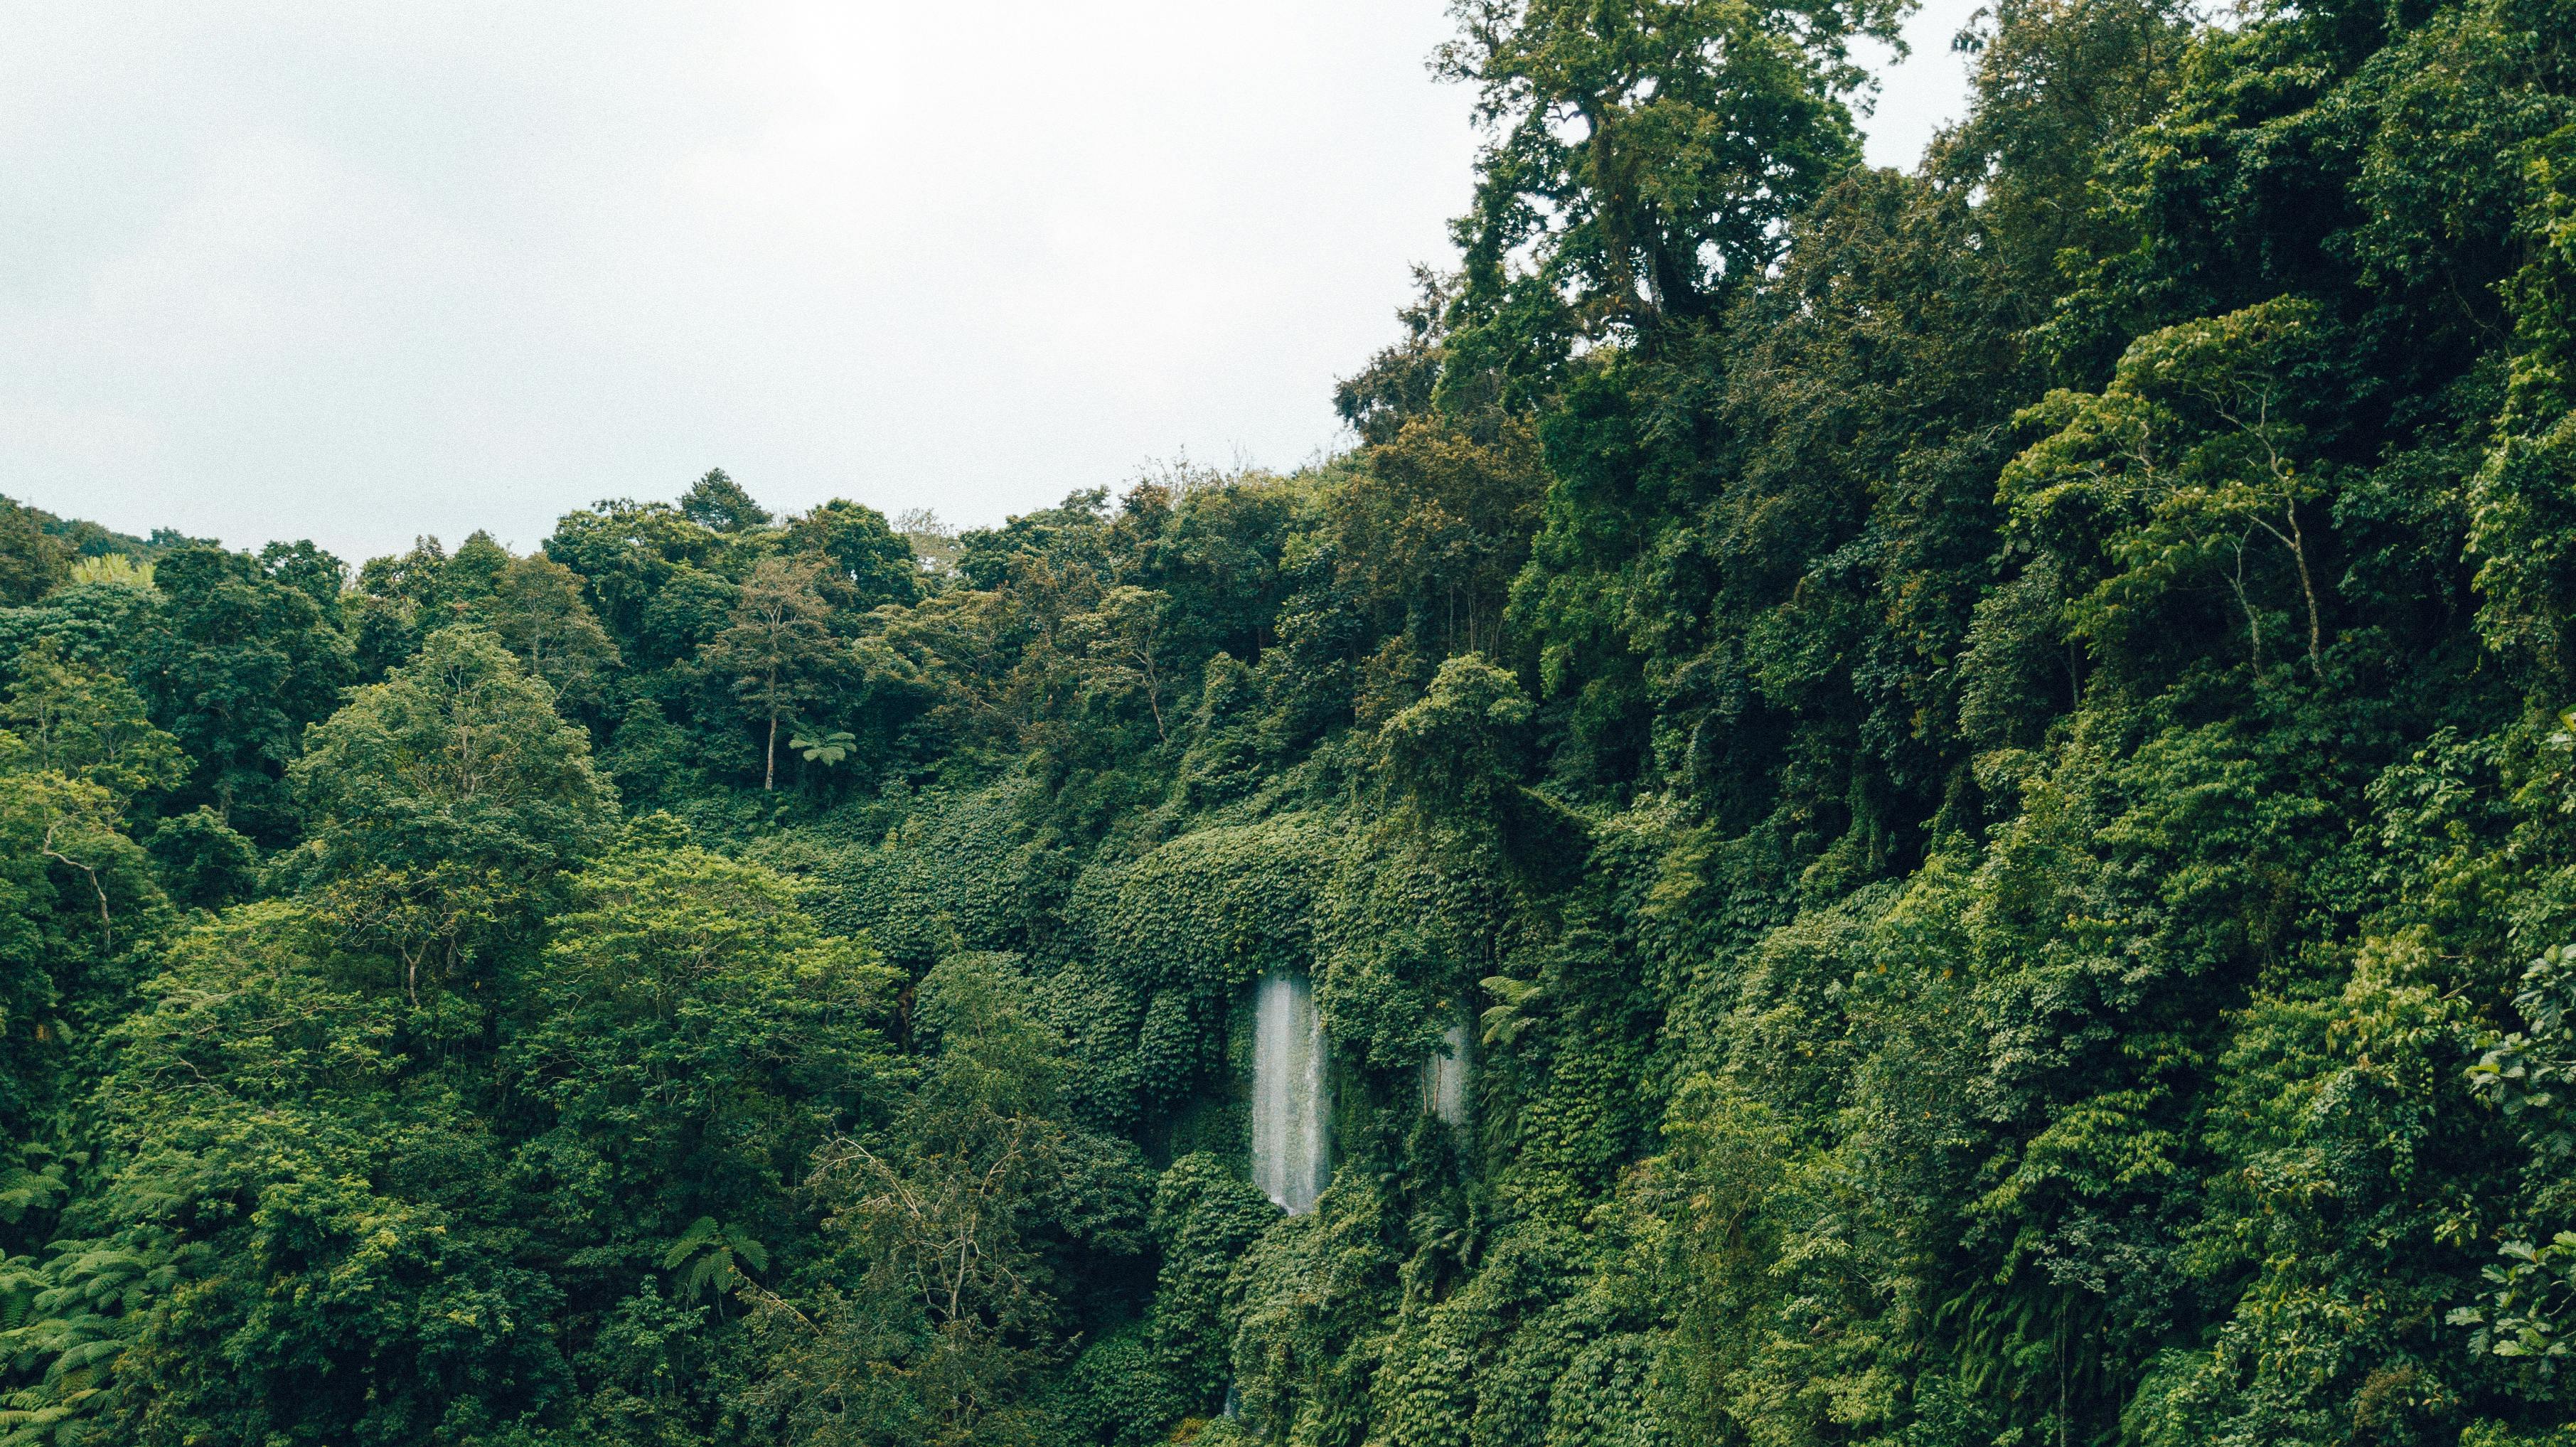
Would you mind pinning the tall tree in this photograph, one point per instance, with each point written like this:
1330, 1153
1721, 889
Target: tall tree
445, 805
778, 650
537, 612
1647, 157
867, 561
717, 502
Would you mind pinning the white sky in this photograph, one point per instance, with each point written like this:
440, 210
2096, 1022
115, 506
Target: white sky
357, 272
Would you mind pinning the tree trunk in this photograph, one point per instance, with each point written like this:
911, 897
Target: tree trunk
2308, 586
769, 767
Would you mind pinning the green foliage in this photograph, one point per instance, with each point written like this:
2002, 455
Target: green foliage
443, 804
1978, 753
776, 650
89, 726
947, 1237
1702, 129
236, 663
690, 1024
1205, 1218
2194, 457
870, 563
204, 862
826, 749
711, 1257
32, 560
1459, 752
717, 502
113, 568
964, 876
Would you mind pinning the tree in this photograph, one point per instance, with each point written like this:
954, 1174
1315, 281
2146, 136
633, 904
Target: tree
537, 612
2524, 496
309, 1157
939, 1220
778, 649
236, 667
1125, 642
443, 806
946, 669
1436, 527
2057, 85
718, 503
204, 863
76, 895
695, 1028
90, 726
32, 560
307, 569
1647, 157
825, 749
869, 563
627, 553
2194, 453
1459, 753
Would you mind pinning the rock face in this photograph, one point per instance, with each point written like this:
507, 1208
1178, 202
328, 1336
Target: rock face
1291, 1102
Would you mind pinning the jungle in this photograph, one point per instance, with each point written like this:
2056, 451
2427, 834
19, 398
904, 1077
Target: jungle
1933, 809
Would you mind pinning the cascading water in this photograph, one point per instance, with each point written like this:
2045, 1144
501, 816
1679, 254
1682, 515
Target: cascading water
1444, 1077
1291, 1155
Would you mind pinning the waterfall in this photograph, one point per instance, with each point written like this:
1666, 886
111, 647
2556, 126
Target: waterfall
1444, 1077
1290, 1106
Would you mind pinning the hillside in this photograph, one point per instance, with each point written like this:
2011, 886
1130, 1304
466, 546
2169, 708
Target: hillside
1934, 810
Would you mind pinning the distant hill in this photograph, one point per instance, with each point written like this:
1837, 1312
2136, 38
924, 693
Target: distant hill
92, 540
37, 548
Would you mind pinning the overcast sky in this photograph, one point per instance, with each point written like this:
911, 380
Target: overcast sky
359, 272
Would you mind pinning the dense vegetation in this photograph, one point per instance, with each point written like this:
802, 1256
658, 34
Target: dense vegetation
1990, 755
